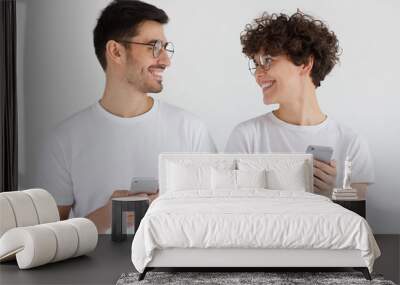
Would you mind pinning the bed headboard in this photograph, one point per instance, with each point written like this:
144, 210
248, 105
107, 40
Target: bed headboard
236, 161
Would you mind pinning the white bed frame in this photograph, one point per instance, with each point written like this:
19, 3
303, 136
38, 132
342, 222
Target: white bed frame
249, 258
234, 257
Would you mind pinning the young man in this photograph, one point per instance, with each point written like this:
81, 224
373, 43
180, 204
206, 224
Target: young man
95, 153
289, 56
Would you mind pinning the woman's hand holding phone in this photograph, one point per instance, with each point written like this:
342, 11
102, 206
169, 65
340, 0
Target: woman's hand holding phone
324, 177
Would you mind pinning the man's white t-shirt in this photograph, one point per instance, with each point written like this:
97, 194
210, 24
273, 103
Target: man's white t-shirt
94, 152
267, 133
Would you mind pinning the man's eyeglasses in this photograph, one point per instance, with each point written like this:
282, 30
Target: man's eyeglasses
157, 47
264, 62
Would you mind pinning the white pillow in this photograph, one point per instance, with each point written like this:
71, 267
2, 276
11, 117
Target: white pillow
282, 174
251, 178
290, 179
223, 179
188, 177
237, 179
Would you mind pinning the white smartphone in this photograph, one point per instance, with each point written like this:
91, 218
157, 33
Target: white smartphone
147, 185
322, 153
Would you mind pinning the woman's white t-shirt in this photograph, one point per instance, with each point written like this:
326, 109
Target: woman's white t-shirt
267, 133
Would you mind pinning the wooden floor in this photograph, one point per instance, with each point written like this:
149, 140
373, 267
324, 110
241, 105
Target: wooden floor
110, 259
389, 262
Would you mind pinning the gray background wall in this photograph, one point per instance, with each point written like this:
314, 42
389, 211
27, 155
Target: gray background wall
59, 74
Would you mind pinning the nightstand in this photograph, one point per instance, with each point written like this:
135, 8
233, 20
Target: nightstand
357, 206
136, 204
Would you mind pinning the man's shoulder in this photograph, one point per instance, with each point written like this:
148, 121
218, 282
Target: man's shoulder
174, 113
74, 122
173, 110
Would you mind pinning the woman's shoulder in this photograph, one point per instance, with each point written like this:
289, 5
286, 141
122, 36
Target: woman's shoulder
344, 131
255, 122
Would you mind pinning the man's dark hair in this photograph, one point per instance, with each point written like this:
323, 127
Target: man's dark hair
299, 37
120, 20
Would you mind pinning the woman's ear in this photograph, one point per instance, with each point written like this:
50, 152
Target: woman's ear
307, 67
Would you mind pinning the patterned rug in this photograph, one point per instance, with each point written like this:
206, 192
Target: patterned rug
270, 278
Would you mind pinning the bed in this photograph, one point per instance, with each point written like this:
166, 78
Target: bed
245, 211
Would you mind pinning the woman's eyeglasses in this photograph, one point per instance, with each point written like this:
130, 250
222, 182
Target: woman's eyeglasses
263, 61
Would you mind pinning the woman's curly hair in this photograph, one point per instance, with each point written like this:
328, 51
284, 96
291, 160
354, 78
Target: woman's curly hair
298, 36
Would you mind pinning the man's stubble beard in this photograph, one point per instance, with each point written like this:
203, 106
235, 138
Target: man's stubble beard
135, 78
142, 86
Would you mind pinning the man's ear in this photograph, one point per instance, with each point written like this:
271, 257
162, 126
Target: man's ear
115, 52
307, 67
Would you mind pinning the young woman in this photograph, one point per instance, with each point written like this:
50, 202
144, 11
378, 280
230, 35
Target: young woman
289, 57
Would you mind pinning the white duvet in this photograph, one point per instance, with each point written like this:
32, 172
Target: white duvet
250, 219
